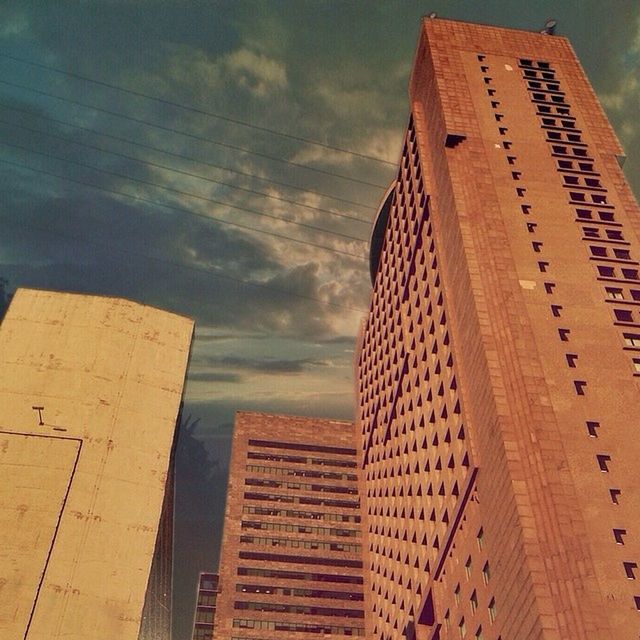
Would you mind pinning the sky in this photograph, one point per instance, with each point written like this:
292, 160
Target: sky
224, 160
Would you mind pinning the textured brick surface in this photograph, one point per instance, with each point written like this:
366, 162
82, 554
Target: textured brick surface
291, 560
495, 299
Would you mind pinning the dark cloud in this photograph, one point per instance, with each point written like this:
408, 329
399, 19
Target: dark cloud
213, 376
260, 365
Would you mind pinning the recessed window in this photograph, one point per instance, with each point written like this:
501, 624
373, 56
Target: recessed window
606, 272
630, 274
614, 293
618, 535
592, 428
564, 334
623, 315
580, 386
630, 569
462, 628
632, 339
622, 254
467, 567
492, 610
615, 495
614, 234
598, 251
591, 232
456, 593
486, 573
479, 633
474, 601
603, 462
636, 365
572, 359
549, 287
556, 310
480, 537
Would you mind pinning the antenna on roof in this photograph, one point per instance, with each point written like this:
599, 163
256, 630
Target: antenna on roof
549, 28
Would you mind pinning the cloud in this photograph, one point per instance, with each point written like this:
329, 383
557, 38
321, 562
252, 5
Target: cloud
214, 376
266, 365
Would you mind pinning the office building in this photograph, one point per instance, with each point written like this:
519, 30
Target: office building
90, 389
498, 368
205, 615
291, 559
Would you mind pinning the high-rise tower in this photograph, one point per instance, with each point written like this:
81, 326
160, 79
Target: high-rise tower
291, 560
498, 367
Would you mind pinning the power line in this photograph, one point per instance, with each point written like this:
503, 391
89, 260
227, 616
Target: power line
180, 191
179, 265
179, 209
182, 172
210, 114
174, 154
191, 135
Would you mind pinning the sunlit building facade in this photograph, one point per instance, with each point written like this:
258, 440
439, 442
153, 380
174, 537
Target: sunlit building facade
90, 389
291, 558
498, 367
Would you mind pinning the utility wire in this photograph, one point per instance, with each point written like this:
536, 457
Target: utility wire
180, 192
179, 209
182, 172
191, 135
174, 154
180, 265
185, 107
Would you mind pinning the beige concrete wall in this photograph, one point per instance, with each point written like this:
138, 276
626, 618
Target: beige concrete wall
81, 494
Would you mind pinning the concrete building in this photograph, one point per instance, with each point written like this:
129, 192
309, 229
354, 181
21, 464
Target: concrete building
291, 559
498, 367
205, 614
90, 389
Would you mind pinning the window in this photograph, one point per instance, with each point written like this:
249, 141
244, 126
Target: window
479, 633
614, 294
580, 386
591, 232
603, 462
632, 339
456, 594
480, 537
462, 628
486, 574
636, 365
572, 358
598, 251
492, 610
630, 274
592, 428
618, 535
630, 569
606, 272
467, 567
474, 601
623, 315
564, 334
615, 495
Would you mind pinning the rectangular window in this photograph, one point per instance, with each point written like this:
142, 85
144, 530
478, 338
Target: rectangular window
492, 610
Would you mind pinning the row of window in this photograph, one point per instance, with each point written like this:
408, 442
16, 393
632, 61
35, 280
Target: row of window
278, 497
300, 575
306, 593
298, 608
608, 254
307, 515
307, 473
279, 625
302, 486
297, 446
301, 544
300, 528
278, 457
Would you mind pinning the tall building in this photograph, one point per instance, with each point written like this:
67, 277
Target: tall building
205, 613
90, 389
291, 559
498, 366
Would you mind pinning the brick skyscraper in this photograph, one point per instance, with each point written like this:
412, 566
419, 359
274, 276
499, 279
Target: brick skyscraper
291, 561
498, 367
